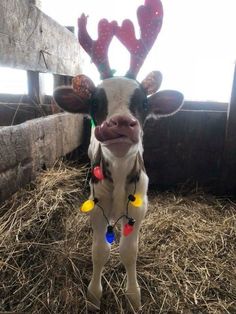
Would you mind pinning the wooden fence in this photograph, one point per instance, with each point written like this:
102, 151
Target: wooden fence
195, 146
32, 41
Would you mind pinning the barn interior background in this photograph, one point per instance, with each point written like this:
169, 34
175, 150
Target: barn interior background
194, 148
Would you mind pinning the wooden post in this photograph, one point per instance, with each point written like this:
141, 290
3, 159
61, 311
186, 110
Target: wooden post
34, 87
229, 160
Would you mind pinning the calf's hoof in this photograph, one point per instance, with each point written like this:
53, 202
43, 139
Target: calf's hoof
93, 299
134, 297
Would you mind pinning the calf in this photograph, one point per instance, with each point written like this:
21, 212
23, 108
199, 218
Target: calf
118, 107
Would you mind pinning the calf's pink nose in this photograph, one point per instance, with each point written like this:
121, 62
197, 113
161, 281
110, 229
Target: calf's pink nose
122, 121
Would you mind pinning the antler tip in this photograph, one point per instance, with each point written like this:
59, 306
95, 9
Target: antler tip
82, 20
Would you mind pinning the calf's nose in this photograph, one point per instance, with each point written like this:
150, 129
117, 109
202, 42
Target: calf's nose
118, 126
122, 121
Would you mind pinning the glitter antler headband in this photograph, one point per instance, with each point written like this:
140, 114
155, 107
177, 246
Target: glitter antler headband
150, 17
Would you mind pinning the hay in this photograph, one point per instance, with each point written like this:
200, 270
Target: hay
186, 260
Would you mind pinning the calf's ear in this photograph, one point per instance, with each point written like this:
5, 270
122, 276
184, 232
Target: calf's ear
165, 103
75, 98
66, 98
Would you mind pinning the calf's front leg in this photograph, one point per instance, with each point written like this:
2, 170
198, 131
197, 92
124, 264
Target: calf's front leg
128, 254
100, 255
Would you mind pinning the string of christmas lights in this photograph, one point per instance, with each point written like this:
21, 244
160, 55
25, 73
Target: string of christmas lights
134, 199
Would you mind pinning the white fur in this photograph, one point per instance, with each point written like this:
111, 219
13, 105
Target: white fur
118, 97
113, 198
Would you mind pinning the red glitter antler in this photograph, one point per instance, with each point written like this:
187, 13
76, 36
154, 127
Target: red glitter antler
98, 49
150, 17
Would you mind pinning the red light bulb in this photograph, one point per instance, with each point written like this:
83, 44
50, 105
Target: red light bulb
129, 227
97, 172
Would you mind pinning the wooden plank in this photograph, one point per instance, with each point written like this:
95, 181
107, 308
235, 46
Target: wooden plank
186, 147
12, 114
31, 40
229, 165
21, 99
14, 98
205, 106
27, 148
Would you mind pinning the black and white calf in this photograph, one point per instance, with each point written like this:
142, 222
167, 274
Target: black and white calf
119, 106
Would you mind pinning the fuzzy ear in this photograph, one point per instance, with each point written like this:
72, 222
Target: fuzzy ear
75, 99
152, 82
66, 98
164, 103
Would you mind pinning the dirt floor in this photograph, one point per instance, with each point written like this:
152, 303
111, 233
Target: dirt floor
186, 263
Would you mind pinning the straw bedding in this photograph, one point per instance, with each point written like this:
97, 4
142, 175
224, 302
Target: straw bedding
186, 260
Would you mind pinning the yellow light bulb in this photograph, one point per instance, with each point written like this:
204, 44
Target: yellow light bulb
87, 206
138, 200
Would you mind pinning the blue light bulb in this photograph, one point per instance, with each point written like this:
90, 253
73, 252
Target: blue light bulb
110, 236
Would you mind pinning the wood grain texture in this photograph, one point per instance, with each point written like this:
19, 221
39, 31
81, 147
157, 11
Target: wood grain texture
31, 40
12, 114
27, 148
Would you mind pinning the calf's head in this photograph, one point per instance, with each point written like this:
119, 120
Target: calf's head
120, 105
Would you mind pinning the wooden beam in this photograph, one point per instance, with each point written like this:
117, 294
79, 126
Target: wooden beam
205, 105
12, 114
21, 99
229, 165
14, 98
34, 87
31, 40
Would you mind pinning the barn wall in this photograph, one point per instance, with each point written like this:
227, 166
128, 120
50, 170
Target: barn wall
32, 146
184, 148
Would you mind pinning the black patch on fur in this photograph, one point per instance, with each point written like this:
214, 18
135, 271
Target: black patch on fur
106, 171
134, 175
99, 108
138, 104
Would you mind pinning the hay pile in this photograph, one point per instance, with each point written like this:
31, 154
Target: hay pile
186, 261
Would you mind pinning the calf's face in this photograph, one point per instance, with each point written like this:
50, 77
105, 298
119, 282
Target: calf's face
119, 106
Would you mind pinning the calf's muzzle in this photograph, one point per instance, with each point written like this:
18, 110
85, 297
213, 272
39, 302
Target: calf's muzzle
119, 128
